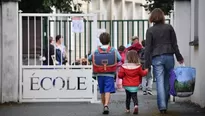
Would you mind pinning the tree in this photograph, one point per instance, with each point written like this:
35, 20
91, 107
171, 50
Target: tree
165, 5
34, 6
44, 6
62, 5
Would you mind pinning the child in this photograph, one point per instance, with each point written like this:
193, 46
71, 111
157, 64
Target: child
135, 44
105, 79
122, 54
131, 74
147, 81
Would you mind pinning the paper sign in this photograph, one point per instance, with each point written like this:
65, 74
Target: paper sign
77, 25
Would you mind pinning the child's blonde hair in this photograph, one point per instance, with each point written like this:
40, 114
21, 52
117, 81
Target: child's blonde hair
133, 57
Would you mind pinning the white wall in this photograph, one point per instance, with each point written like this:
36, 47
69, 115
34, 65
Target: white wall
128, 11
119, 9
182, 25
106, 7
198, 57
138, 12
189, 23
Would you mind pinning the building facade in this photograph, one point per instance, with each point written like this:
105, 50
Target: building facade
115, 9
189, 25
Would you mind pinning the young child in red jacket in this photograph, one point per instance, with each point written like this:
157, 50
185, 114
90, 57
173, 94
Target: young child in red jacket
131, 74
122, 54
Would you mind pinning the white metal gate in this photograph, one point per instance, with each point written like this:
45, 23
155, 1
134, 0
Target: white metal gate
41, 81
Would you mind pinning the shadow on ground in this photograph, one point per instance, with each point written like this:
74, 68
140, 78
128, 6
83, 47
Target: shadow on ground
147, 107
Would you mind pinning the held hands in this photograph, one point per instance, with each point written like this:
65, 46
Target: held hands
147, 70
181, 62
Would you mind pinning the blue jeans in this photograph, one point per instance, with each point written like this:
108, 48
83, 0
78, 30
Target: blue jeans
162, 65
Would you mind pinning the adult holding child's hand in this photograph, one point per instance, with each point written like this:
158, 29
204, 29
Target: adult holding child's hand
161, 45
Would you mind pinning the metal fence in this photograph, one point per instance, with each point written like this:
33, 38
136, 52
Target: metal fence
79, 45
121, 30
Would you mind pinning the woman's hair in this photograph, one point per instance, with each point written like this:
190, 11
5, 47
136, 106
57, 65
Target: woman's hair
121, 48
133, 57
157, 16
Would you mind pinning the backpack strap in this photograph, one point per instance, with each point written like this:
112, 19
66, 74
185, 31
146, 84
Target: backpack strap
101, 51
108, 49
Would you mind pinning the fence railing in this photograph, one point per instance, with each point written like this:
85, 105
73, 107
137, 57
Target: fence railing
121, 30
79, 45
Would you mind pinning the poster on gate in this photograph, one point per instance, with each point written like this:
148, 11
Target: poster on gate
77, 25
99, 31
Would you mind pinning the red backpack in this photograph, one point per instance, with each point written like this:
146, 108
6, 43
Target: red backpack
104, 61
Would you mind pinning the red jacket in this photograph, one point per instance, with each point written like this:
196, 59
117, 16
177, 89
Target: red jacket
131, 74
137, 46
122, 54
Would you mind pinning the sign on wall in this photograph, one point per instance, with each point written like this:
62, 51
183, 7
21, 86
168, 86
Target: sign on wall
77, 25
58, 83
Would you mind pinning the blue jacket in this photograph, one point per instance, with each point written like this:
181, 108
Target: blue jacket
59, 56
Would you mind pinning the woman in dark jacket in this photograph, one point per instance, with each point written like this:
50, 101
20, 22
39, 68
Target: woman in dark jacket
161, 45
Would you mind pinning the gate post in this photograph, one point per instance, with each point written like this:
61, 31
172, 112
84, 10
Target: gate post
93, 48
9, 52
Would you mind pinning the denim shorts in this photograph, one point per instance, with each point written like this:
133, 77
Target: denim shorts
106, 84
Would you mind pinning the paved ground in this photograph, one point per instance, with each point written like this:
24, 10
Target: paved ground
147, 106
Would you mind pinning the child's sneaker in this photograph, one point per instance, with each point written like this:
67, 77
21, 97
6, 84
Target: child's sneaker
149, 92
127, 111
144, 92
135, 110
106, 110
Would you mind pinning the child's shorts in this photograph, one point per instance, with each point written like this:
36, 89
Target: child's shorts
106, 84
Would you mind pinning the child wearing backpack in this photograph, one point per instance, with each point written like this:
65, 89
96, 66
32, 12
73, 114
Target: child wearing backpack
147, 81
105, 60
131, 74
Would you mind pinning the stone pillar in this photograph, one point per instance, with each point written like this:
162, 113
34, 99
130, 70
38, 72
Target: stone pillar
1, 53
9, 52
200, 95
182, 26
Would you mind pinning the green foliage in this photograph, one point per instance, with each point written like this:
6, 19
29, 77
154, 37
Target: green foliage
34, 6
62, 5
165, 5
44, 6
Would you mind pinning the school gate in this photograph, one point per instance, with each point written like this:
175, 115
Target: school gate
80, 45
70, 82
46, 83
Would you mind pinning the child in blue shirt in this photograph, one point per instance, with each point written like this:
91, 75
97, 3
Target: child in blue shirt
106, 81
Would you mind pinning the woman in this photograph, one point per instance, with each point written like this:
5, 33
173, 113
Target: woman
161, 45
